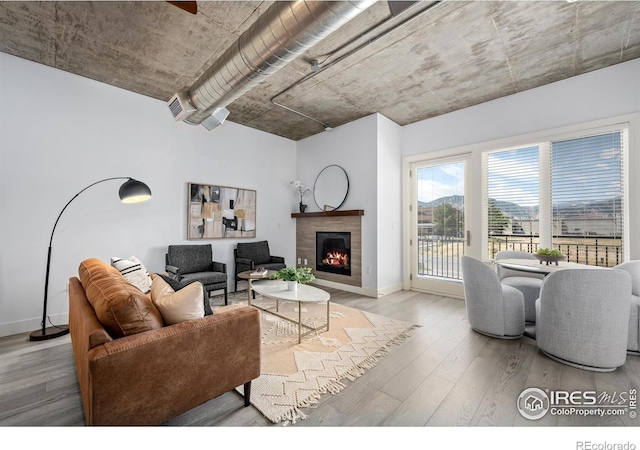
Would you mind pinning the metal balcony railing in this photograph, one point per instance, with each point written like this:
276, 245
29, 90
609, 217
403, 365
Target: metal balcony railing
440, 256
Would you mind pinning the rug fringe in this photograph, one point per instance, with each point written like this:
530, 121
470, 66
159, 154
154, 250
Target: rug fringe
291, 416
334, 385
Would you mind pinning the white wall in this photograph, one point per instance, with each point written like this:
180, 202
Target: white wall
354, 148
389, 205
369, 149
60, 132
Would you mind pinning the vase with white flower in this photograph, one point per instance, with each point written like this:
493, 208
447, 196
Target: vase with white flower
302, 191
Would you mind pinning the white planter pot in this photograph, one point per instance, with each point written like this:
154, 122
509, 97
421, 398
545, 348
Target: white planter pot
292, 285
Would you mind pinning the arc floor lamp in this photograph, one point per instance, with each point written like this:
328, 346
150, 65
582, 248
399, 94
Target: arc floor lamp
131, 191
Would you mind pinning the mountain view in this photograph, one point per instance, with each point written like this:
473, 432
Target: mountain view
600, 208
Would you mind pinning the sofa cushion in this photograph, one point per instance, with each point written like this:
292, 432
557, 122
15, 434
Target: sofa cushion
177, 306
205, 278
177, 285
134, 272
120, 307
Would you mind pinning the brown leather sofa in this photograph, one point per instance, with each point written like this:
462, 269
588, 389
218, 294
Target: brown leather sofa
135, 371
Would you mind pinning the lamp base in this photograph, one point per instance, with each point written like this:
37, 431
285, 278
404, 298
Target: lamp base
49, 333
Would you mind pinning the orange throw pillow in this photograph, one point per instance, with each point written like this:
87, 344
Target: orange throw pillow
120, 307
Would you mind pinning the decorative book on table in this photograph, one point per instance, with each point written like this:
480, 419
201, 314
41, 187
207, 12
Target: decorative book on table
259, 271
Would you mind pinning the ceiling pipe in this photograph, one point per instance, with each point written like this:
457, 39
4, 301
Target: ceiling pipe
317, 67
282, 33
395, 9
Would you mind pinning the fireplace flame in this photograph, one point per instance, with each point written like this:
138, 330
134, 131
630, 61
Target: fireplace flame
336, 258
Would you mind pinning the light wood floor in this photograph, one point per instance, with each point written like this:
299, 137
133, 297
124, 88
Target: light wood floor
445, 374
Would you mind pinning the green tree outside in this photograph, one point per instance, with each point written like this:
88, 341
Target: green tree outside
498, 222
448, 221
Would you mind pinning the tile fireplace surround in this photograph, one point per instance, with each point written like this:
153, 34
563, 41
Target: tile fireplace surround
307, 224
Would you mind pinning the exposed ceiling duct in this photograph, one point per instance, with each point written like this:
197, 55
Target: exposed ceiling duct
282, 33
398, 7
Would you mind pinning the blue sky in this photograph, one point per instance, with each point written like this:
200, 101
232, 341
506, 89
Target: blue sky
440, 181
586, 169
513, 176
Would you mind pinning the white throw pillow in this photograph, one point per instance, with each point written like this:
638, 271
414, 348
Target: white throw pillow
177, 306
133, 271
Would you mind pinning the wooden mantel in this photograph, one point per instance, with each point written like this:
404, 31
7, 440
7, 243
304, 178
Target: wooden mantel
347, 212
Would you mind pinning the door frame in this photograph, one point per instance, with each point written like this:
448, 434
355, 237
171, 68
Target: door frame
449, 288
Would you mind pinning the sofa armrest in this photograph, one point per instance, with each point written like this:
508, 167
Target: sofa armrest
86, 330
277, 259
245, 261
244, 264
173, 271
150, 377
219, 267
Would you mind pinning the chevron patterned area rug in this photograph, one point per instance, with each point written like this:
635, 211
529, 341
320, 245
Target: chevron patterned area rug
294, 376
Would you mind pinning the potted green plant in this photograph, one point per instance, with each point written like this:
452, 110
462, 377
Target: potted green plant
549, 255
294, 275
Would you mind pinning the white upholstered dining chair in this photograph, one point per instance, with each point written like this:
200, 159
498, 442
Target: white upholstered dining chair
526, 282
633, 341
579, 317
493, 309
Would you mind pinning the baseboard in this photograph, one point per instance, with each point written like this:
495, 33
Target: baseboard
442, 294
367, 292
375, 293
390, 289
27, 326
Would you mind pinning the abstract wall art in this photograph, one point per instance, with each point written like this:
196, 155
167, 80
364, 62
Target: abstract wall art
217, 212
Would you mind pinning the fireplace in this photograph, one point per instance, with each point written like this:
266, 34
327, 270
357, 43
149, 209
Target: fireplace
333, 252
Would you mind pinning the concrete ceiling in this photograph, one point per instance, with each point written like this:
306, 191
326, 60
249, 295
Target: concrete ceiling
453, 55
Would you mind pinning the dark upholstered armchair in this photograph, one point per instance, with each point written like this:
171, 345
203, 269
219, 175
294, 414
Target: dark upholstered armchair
249, 255
189, 263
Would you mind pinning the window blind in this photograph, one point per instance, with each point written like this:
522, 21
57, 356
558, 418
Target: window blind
512, 191
587, 197
582, 210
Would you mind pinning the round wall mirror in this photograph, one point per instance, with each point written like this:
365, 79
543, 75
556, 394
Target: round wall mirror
331, 188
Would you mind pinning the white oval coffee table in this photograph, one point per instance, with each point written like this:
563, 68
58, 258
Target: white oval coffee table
277, 290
